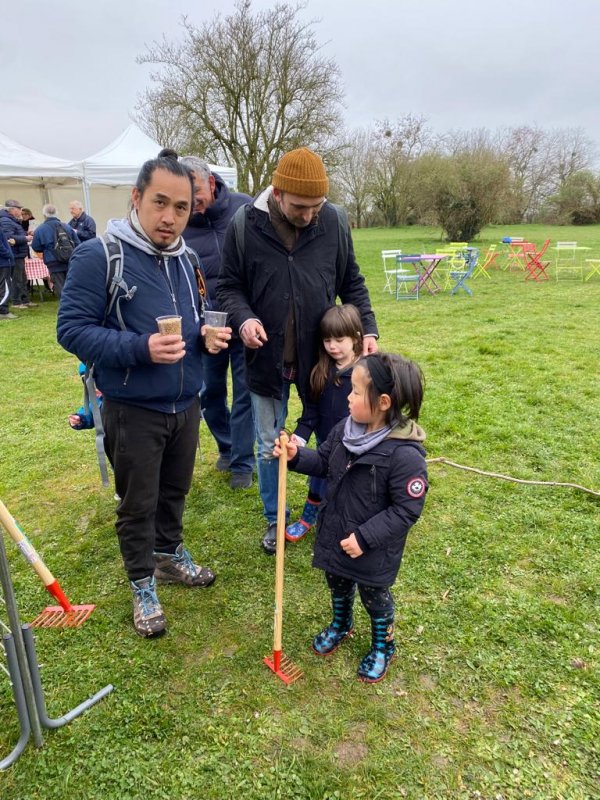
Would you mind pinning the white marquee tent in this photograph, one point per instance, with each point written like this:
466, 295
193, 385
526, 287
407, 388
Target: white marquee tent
32, 177
102, 181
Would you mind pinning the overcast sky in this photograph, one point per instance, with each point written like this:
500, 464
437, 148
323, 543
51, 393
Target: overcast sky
70, 80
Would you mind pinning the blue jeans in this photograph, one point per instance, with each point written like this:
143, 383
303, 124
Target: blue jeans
233, 430
269, 415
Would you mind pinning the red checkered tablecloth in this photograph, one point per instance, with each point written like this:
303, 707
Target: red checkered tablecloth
35, 269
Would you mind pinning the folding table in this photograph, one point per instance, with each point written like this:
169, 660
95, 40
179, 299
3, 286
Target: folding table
425, 264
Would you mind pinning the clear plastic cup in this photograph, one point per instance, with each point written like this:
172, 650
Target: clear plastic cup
169, 324
213, 321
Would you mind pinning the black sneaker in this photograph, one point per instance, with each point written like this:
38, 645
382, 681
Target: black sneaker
223, 463
269, 541
240, 480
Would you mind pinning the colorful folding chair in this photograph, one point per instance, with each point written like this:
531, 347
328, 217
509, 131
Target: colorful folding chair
534, 266
566, 264
462, 276
390, 274
407, 279
486, 262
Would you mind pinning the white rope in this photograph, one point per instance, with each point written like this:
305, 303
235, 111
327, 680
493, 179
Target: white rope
442, 460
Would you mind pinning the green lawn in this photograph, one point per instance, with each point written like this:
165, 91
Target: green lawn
495, 690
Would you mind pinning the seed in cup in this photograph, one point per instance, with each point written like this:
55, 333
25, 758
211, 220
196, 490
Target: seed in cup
170, 324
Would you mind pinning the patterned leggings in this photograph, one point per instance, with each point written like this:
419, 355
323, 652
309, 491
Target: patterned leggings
376, 599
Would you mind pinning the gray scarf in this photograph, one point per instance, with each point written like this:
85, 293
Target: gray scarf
129, 230
358, 441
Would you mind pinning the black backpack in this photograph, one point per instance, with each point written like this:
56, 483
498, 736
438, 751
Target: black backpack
63, 246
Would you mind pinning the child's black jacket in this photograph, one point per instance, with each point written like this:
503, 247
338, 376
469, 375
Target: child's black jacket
378, 495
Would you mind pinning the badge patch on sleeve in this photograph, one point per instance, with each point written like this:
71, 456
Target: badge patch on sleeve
416, 487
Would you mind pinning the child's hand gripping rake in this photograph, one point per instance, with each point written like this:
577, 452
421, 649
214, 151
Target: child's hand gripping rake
280, 664
63, 616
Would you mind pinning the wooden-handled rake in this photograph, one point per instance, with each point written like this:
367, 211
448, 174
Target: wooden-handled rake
63, 616
279, 663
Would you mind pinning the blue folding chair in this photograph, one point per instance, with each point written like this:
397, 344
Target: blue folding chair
407, 278
462, 276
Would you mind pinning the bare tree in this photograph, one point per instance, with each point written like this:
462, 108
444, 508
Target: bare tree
352, 175
246, 88
397, 148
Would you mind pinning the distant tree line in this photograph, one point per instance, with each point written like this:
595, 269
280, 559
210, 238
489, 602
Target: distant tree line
401, 173
247, 87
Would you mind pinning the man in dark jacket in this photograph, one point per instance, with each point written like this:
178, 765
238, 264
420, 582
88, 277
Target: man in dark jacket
10, 223
81, 222
44, 240
277, 287
7, 261
233, 430
149, 381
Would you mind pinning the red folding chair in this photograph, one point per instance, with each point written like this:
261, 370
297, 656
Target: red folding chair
534, 266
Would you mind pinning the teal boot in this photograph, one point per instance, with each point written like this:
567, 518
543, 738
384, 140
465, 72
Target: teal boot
375, 664
330, 638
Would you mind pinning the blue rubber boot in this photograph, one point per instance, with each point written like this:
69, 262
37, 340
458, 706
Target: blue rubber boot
299, 529
330, 638
374, 665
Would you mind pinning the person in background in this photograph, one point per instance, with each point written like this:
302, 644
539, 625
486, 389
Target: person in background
26, 218
43, 242
233, 431
330, 384
149, 380
377, 480
10, 223
296, 259
7, 261
81, 222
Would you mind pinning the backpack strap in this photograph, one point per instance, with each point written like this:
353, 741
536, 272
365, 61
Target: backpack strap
113, 249
200, 279
91, 401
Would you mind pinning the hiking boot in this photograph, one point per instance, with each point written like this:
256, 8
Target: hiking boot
241, 480
269, 540
148, 617
223, 463
297, 530
178, 567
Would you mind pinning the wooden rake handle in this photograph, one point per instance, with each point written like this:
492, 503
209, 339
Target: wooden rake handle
280, 544
31, 556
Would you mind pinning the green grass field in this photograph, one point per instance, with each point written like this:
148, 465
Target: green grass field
495, 690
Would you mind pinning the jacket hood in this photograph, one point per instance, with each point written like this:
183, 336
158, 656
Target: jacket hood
411, 431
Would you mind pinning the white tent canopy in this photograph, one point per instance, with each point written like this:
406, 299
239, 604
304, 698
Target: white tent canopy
102, 182
119, 162
17, 161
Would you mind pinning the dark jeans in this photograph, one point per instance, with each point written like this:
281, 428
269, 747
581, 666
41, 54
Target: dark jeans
20, 288
153, 458
233, 430
58, 281
5, 282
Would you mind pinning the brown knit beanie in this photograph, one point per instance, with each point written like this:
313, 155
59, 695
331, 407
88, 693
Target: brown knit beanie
301, 172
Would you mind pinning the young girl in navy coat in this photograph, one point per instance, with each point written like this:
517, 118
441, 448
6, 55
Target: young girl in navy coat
340, 347
374, 463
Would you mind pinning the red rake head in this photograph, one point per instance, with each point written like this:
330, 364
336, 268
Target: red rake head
56, 617
283, 667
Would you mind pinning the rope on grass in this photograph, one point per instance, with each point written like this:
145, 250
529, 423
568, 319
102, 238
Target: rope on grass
442, 460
